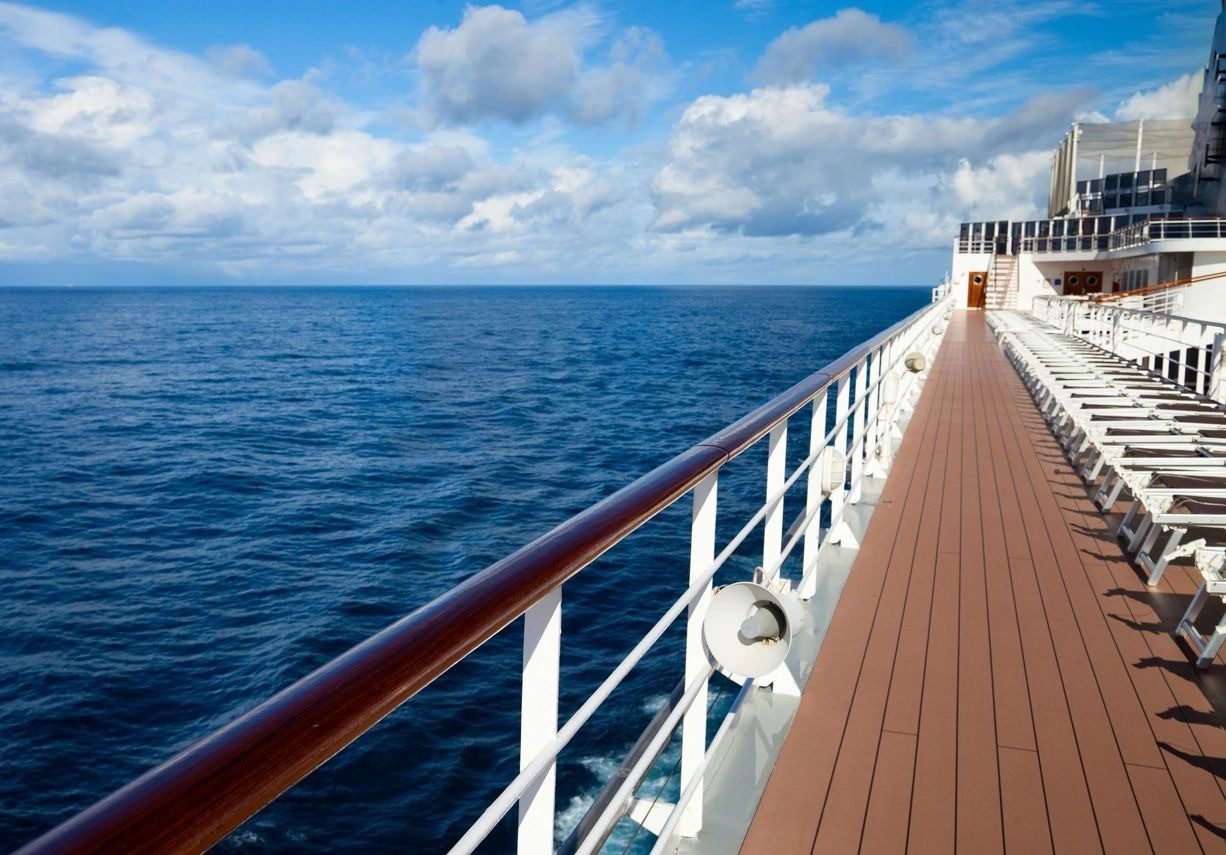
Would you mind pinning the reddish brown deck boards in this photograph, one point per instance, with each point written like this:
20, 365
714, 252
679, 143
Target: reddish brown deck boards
996, 675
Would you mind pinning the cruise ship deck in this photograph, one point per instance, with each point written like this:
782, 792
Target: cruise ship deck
997, 674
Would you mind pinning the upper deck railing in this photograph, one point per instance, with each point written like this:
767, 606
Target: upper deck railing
200, 796
1188, 351
1086, 234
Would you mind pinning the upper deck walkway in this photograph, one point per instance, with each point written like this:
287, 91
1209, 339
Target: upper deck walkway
997, 676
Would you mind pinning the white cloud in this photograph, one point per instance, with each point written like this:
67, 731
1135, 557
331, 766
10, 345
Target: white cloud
782, 161
1176, 100
852, 36
156, 156
496, 64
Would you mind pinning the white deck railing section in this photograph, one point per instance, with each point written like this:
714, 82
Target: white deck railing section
1189, 351
871, 395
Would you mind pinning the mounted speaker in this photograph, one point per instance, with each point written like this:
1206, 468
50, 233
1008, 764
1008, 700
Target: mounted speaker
748, 629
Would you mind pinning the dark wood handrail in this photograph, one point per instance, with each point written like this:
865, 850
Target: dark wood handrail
199, 796
1158, 288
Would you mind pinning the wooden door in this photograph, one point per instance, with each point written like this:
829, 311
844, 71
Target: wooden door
1078, 282
976, 289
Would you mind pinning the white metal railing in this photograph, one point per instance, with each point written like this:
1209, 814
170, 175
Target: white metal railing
1189, 351
206, 791
871, 393
1125, 237
1140, 234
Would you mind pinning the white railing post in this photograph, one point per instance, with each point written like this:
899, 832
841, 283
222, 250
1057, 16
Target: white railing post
857, 431
838, 497
874, 404
1115, 332
776, 475
539, 719
1198, 364
694, 723
1217, 369
814, 498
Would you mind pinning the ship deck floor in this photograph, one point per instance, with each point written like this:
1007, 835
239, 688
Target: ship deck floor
996, 675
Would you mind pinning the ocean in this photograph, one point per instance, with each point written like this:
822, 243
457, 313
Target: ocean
206, 493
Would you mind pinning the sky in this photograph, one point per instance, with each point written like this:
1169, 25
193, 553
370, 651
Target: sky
433, 142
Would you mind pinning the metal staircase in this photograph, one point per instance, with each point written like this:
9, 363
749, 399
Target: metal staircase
1002, 282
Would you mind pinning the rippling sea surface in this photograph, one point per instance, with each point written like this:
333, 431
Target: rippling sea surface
207, 493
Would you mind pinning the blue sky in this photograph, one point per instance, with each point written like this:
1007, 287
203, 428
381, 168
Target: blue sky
750, 141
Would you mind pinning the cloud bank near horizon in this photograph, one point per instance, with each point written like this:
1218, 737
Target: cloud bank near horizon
503, 163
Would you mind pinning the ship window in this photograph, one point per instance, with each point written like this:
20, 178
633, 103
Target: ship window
1158, 197
1125, 199
1096, 186
1083, 187
1104, 225
1143, 178
989, 231
1057, 228
1044, 229
1113, 182
1126, 180
965, 231
1029, 228
1142, 198
1111, 201
1159, 176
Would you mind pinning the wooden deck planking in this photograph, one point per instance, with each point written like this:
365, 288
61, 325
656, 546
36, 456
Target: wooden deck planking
996, 675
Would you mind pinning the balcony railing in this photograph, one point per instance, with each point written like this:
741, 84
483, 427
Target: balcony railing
1127, 237
855, 406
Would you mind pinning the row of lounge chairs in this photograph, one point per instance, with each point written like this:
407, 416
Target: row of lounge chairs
1134, 435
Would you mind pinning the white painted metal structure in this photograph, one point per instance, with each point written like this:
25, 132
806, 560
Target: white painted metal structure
871, 395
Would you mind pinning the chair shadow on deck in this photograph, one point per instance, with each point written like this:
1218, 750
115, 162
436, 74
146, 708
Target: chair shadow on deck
1208, 826
1188, 714
1216, 766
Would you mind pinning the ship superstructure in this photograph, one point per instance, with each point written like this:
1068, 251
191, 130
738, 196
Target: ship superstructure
1135, 216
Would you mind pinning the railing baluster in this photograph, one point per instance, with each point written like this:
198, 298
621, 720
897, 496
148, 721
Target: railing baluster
814, 498
539, 719
838, 497
694, 723
776, 474
1217, 369
857, 431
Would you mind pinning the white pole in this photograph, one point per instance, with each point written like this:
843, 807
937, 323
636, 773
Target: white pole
1140, 139
1217, 369
539, 719
839, 496
694, 723
776, 474
814, 498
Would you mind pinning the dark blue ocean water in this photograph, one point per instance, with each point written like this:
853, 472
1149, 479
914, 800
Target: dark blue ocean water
207, 493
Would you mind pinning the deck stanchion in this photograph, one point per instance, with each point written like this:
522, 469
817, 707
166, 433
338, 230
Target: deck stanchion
838, 496
694, 723
776, 474
813, 499
539, 719
857, 432
1217, 369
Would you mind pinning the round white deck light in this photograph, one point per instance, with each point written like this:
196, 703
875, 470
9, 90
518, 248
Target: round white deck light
747, 630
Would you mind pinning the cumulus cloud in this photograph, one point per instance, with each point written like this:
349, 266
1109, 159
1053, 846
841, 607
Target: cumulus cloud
239, 60
782, 161
496, 64
152, 155
1176, 100
852, 36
